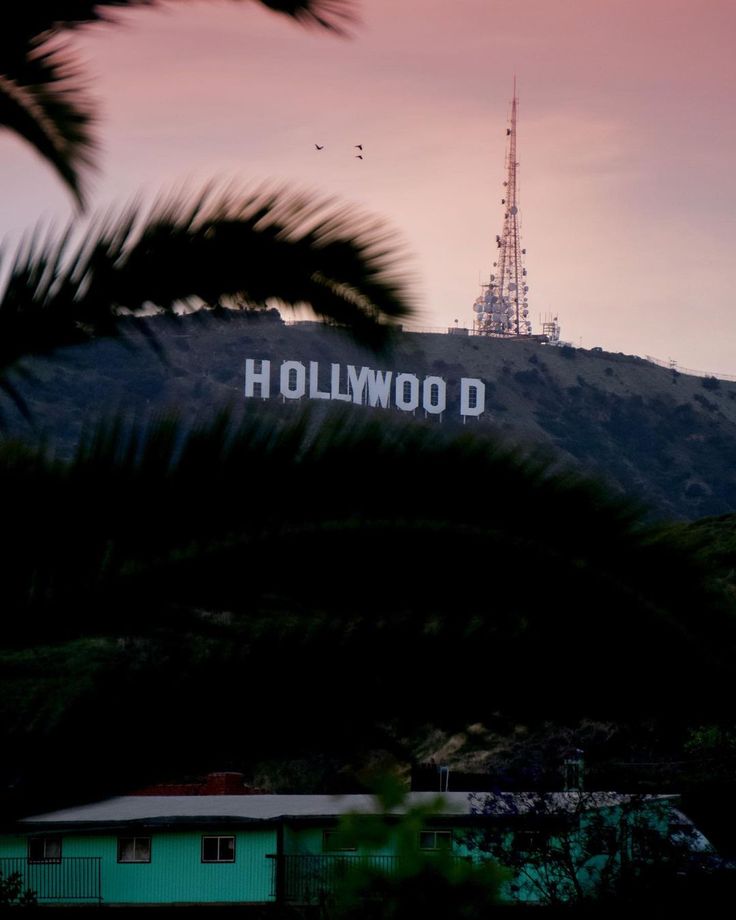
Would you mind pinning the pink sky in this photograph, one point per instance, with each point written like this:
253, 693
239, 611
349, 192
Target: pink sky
627, 144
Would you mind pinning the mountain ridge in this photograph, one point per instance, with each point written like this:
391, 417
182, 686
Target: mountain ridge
652, 433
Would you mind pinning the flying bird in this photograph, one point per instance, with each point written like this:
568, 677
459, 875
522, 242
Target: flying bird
359, 146
358, 156
318, 146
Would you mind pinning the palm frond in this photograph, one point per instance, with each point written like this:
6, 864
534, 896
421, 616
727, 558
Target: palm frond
334, 15
41, 17
215, 247
168, 522
44, 100
42, 95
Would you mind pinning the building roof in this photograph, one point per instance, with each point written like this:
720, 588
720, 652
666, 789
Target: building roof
169, 809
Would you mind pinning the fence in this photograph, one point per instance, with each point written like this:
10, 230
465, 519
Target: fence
307, 879
449, 330
674, 366
71, 878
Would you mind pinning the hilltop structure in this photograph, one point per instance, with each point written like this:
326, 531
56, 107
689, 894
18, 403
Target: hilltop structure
503, 307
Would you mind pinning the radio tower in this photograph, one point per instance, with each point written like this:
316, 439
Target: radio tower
503, 307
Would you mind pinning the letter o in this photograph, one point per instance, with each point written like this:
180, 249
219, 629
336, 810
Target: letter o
438, 405
293, 387
406, 394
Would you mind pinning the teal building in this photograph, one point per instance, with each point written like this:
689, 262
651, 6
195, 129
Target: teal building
235, 847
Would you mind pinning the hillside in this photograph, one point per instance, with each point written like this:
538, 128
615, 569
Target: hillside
666, 438
332, 597
197, 566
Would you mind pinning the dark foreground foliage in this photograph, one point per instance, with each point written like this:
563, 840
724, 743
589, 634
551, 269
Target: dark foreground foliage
177, 598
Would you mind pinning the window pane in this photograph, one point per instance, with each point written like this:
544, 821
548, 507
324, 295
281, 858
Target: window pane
607, 839
53, 848
435, 840
333, 841
227, 848
36, 849
143, 849
443, 840
530, 841
209, 849
134, 849
42, 849
126, 849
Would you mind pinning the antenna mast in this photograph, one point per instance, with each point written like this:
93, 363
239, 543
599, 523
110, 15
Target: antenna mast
503, 307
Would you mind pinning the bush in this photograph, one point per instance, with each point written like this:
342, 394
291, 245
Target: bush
528, 378
12, 893
422, 885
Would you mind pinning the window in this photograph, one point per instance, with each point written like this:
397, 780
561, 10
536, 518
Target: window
218, 849
334, 841
607, 839
531, 840
435, 840
44, 849
646, 842
134, 849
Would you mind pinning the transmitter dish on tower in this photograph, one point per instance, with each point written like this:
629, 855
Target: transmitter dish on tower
503, 307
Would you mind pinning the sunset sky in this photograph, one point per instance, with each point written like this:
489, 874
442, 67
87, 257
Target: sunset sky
627, 144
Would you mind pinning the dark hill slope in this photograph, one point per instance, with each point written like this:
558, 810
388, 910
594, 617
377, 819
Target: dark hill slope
667, 438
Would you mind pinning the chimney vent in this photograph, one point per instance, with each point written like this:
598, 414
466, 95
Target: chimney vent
224, 784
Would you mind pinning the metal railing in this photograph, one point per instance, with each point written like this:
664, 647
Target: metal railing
674, 366
422, 330
307, 879
70, 878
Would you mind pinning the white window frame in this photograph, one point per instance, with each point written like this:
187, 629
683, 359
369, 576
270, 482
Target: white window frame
45, 841
441, 832
217, 837
135, 848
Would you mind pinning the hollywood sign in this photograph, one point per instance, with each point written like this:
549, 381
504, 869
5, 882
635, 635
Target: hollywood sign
360, 385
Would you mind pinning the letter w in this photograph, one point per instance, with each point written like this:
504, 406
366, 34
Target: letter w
379, 388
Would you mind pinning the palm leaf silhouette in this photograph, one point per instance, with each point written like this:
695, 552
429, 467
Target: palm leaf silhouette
248, 518
161, 566
213, 247
43, 95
